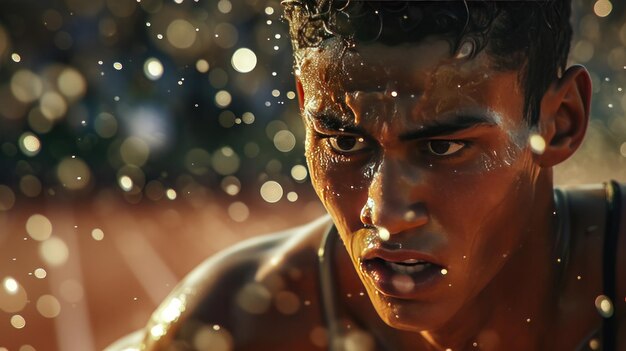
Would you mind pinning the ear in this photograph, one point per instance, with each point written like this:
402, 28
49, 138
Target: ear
300, 92
564, 115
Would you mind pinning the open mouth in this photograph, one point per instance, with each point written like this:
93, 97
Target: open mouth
398, 276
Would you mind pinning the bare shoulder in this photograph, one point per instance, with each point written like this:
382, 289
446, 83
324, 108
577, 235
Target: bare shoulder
589, 210
257, 295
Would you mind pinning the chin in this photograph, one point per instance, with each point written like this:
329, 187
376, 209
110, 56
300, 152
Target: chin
411, 315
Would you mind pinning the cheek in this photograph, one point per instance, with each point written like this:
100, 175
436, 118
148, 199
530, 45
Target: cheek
341, 187
483, 210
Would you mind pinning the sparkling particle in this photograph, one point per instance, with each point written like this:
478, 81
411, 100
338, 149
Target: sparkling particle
29, 144
444, 271
202, 66
602, 8
383, 233
271, 191
244, 60
248, 118
284, 141
157, 331
13, 297
299, 173
292, 196
153, 68
604, 306
118, 66
170, 194
537, 143
269, 10
223, 98
39, 227
10, 285
125, 182
18, 322
16, 57
231, 185
394, 93
40, 273
97, 234
291, 95
172, 311
594, 344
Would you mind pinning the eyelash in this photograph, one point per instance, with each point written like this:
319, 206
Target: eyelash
424, 146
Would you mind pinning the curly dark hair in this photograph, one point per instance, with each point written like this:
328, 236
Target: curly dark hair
532, 37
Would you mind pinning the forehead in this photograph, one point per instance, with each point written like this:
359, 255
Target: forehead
427, 78
368, 66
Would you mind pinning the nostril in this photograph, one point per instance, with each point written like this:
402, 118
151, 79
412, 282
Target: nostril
366, 216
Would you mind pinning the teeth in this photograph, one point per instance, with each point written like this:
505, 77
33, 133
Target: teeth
411, 261
407, 269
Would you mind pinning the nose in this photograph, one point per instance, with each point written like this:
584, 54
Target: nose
393, 199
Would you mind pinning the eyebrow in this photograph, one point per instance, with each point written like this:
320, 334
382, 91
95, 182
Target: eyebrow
451, 125
330, 121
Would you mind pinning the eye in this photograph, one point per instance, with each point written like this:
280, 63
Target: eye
445, 147
347, 144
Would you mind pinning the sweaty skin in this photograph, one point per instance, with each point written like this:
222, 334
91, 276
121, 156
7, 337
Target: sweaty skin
432, 149
446, 216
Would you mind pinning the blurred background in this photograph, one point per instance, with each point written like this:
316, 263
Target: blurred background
138, 137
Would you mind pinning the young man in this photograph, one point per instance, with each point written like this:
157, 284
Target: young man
432, 130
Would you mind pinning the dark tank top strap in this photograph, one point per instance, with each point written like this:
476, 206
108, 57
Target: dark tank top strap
614, 204
328, 294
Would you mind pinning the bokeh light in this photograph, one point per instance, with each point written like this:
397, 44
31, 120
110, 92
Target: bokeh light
244, 60
39, 227
271, 191
153, 68
54, 251
73, 173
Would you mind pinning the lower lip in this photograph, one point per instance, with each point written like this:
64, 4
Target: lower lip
401, 285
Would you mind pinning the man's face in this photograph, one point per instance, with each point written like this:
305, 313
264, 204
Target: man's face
422, 160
